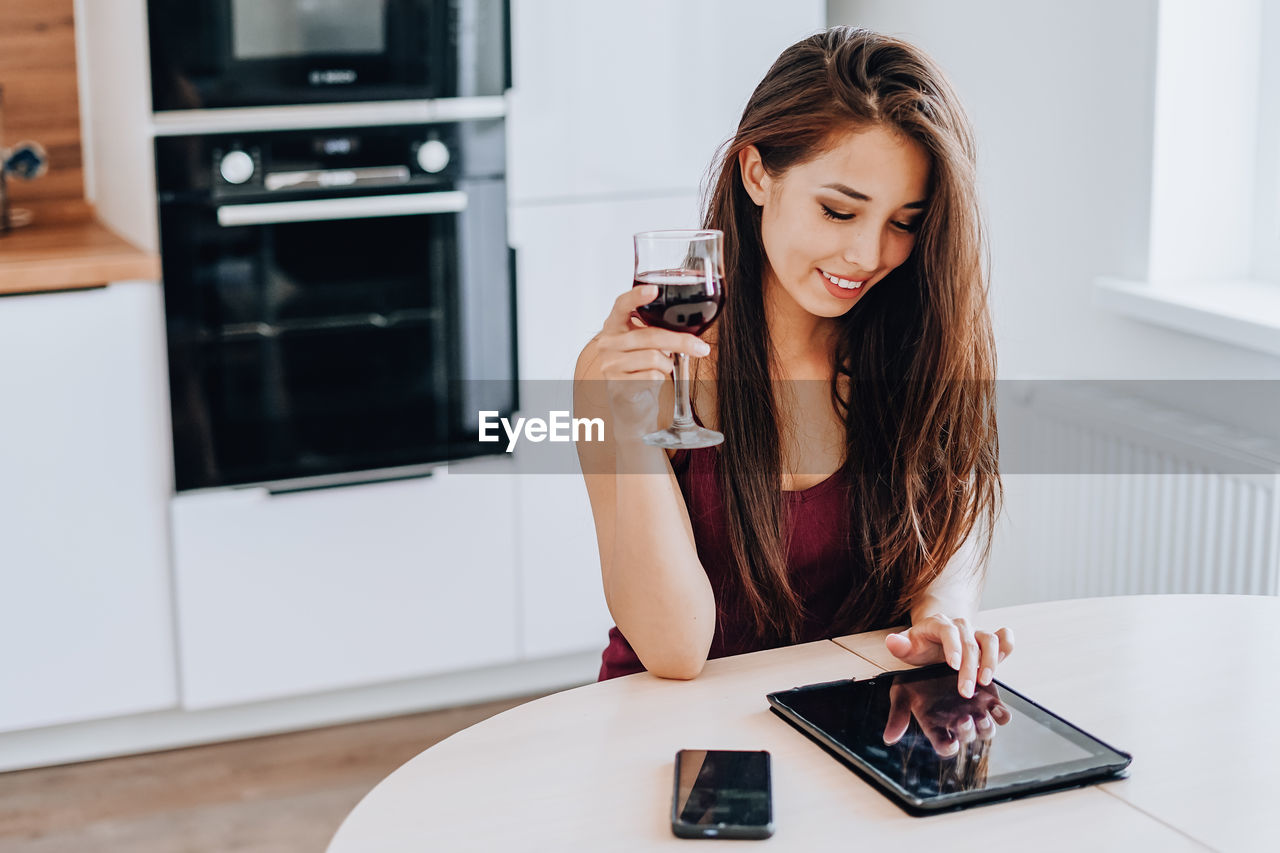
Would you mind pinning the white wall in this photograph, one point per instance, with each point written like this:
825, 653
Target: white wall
1062, 99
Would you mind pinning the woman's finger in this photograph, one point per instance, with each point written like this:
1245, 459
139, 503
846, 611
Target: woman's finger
644, 380
941, 630
944, 741
968, 669
985, 725
651, 337
645, 359
899, 717
900, 645
988, 655
1006, 642
952, 642
1001, 714
927, 641
619, 319
647, 369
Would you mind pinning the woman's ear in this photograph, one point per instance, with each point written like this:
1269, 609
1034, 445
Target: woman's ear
755, 180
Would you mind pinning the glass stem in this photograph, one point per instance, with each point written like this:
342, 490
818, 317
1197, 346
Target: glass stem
683, 418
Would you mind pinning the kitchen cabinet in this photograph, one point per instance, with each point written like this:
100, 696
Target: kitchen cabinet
573, 261
634, 98
561, 304
285, 594
85, 614
117, 597
604, 141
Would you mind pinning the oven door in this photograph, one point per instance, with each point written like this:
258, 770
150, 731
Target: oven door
321, 337
243, 53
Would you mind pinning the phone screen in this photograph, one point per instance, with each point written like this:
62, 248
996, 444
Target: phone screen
722, 793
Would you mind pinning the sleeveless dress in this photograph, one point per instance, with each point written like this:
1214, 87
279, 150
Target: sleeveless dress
823, 567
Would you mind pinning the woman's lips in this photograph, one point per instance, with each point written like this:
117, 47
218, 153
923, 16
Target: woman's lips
841, 292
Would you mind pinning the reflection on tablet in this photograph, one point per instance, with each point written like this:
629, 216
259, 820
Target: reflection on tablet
916, 731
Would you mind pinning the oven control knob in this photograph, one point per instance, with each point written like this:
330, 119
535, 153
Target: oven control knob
236, 167
433, 156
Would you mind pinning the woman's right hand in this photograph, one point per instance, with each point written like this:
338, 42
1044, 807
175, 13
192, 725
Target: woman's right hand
636, 359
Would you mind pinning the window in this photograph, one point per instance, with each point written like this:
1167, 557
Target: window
1214, 250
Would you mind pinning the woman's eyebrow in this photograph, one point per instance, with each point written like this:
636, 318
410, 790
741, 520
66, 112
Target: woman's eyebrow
854, 194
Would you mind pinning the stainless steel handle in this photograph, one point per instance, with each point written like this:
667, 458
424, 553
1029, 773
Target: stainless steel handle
351, 478
363, 207
322, 178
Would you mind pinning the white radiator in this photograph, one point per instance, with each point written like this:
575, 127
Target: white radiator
1168, 502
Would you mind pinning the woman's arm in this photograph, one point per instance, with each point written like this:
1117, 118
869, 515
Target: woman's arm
942, 623
654, 583
957, 590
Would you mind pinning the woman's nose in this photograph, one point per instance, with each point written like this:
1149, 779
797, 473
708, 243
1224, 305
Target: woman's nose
863, 250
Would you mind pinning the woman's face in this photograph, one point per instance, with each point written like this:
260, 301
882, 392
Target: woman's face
837, 224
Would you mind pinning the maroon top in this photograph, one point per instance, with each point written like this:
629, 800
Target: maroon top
823, 567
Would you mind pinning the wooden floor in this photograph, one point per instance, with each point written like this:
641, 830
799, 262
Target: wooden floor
276, 794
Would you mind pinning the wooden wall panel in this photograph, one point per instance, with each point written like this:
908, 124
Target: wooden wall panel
38, 73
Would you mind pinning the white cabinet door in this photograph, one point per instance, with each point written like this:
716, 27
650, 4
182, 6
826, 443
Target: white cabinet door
563, 607
573, 261
617, 110
635, 97
295, 593
85, 613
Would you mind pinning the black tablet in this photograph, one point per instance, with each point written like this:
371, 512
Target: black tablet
946, 752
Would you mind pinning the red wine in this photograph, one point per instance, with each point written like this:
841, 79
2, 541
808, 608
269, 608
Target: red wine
687, 300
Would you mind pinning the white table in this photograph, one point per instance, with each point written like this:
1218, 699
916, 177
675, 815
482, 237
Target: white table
1189, 684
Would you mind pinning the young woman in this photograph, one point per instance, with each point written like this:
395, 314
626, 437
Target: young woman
850, 371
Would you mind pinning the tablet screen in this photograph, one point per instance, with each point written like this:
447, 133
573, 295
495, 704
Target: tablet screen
915, 731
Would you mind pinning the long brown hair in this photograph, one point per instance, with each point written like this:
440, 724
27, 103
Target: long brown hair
916, 352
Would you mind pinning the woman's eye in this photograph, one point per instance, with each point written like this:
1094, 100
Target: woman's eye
905, 227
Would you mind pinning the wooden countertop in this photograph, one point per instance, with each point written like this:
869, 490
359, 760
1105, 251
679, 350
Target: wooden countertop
69, 255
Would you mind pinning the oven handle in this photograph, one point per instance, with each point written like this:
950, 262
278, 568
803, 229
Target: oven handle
362, 207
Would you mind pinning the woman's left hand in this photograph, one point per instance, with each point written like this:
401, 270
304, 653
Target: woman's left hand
973, 654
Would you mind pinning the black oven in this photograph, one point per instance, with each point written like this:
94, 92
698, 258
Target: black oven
245, 53
338, 301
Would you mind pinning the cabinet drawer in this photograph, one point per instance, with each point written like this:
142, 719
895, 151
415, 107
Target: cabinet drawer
280, 595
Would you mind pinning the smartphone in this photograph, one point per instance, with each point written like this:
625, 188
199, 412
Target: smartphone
722, 793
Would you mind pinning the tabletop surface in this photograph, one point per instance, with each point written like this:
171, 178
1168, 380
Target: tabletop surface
1187, 684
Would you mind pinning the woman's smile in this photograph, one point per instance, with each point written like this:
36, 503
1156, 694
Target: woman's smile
842, 288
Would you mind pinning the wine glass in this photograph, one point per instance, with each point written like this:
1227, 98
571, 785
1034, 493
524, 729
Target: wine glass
688, 269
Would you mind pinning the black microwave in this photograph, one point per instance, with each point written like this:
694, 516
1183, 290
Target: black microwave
251, 53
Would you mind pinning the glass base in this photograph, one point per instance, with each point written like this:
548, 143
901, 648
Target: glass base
688, 438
